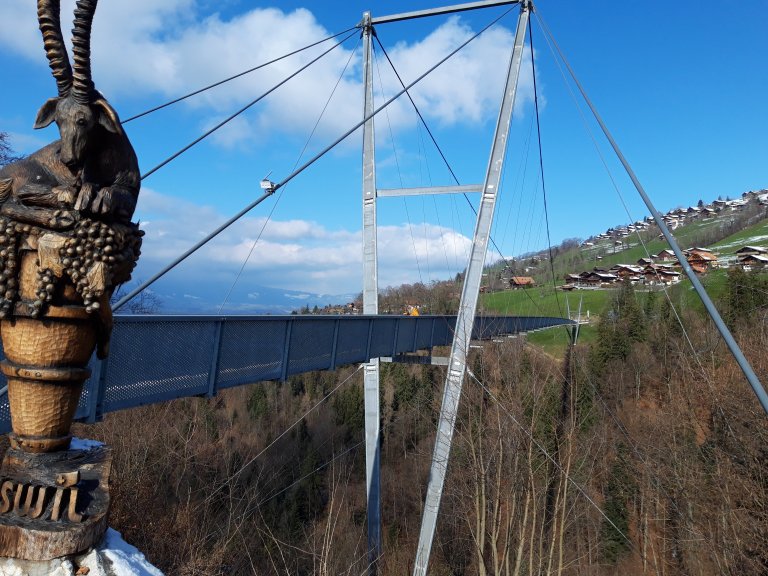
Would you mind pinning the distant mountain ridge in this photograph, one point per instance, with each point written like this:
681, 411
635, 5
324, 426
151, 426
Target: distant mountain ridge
207, 299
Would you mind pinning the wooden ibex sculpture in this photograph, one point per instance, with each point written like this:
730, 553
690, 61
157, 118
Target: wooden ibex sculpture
66, 241
93, 168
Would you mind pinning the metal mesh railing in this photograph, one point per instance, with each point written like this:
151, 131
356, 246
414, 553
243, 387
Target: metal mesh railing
159, 358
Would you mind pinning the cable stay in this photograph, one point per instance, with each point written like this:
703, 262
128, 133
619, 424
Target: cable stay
280, 196
243, 73
244, 108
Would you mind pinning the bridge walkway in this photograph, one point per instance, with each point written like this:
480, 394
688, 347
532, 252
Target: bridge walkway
157, 358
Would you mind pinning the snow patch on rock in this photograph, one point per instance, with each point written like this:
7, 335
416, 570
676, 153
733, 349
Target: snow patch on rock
113, 557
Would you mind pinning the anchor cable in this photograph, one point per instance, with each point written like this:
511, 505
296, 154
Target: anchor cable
220, 82
541, 168
280, 196
244, 108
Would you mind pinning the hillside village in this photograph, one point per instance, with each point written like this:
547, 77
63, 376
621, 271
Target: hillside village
712, 221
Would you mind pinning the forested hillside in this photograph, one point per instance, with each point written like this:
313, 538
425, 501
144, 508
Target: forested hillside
643, 452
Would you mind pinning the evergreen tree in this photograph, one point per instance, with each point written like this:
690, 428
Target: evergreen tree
622, 324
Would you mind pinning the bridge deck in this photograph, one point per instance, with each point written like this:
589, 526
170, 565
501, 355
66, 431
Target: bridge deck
157, 358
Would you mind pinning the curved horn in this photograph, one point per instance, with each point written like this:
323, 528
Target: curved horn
55, 49
82, 85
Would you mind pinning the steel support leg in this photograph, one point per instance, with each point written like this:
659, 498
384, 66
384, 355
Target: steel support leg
370, 306
468, 306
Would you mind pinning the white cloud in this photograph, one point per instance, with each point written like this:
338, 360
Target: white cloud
168, 48
292, 254
466, 89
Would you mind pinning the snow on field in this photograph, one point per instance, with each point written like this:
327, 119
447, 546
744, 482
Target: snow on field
758, 240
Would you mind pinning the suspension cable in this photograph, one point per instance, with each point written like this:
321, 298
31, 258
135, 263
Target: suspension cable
399, 172
440, 151
280, 196
541, 167
225, 80
416, 108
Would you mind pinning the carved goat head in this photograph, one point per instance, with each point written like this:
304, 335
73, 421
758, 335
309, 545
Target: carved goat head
79, 107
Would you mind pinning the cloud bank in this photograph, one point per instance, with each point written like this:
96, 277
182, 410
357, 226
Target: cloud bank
292, 254
149, 51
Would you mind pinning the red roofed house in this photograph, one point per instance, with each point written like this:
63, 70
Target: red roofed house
521, 282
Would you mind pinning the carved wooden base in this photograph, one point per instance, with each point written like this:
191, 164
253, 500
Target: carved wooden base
55, 504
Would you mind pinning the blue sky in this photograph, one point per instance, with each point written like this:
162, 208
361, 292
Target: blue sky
682, 87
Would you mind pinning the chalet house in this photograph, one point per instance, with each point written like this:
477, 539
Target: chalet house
698, 267
573, 278
600, 278
521, 282
645, 262
750, 251
666, 254
753, 262
660, 275
627, 271
701, 257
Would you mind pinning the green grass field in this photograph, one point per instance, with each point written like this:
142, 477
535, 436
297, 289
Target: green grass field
546, 301
543, 301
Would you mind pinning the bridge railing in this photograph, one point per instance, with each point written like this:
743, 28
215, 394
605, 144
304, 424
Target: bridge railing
159, 358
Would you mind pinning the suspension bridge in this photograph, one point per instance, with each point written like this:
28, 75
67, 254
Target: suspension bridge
159, 358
